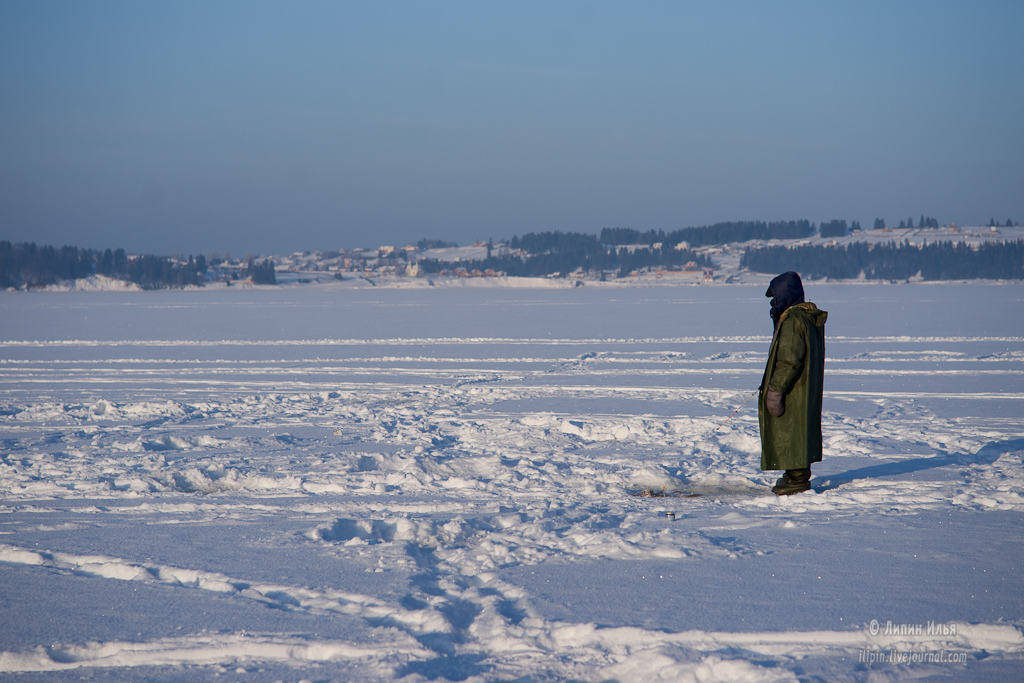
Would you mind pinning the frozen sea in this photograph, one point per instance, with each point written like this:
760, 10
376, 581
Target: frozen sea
334, 483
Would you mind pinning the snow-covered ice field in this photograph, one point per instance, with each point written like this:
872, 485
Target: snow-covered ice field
340, 484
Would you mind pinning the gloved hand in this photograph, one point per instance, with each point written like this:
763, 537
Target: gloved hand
775, 402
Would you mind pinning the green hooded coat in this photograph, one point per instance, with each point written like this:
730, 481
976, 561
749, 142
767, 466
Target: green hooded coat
796, 369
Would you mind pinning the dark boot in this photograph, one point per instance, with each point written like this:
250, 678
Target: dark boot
793, 481
792, 475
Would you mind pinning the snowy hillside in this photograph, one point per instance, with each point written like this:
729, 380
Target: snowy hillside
370, 484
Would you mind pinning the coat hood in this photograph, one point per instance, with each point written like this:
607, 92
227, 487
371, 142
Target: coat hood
815, 314
786, 290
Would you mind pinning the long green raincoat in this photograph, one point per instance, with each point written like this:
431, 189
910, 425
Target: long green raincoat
796, 369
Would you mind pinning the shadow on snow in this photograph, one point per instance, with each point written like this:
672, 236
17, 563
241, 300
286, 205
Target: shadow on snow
986, 455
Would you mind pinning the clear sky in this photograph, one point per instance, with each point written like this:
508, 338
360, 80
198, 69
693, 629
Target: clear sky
272, 127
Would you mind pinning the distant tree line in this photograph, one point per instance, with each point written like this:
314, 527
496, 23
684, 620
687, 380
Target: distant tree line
262, 273
34, 266
836, 228
894, 261
28, 265
719, 233
923, 222
560, 252
158, 272
560, 242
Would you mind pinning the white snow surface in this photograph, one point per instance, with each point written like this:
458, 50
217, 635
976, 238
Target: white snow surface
443, 484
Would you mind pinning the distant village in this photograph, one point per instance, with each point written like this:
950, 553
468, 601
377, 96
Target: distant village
704, 264
722, 253
412, 261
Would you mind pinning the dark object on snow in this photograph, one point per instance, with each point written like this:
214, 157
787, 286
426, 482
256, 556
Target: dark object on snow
793, 481
787, 290
791, 439
775, 403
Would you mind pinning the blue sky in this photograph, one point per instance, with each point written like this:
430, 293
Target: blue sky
271, 127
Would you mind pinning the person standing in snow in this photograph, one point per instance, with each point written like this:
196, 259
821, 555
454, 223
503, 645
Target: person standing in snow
789, 404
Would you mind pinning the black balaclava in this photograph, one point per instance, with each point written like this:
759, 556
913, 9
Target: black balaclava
786, 290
